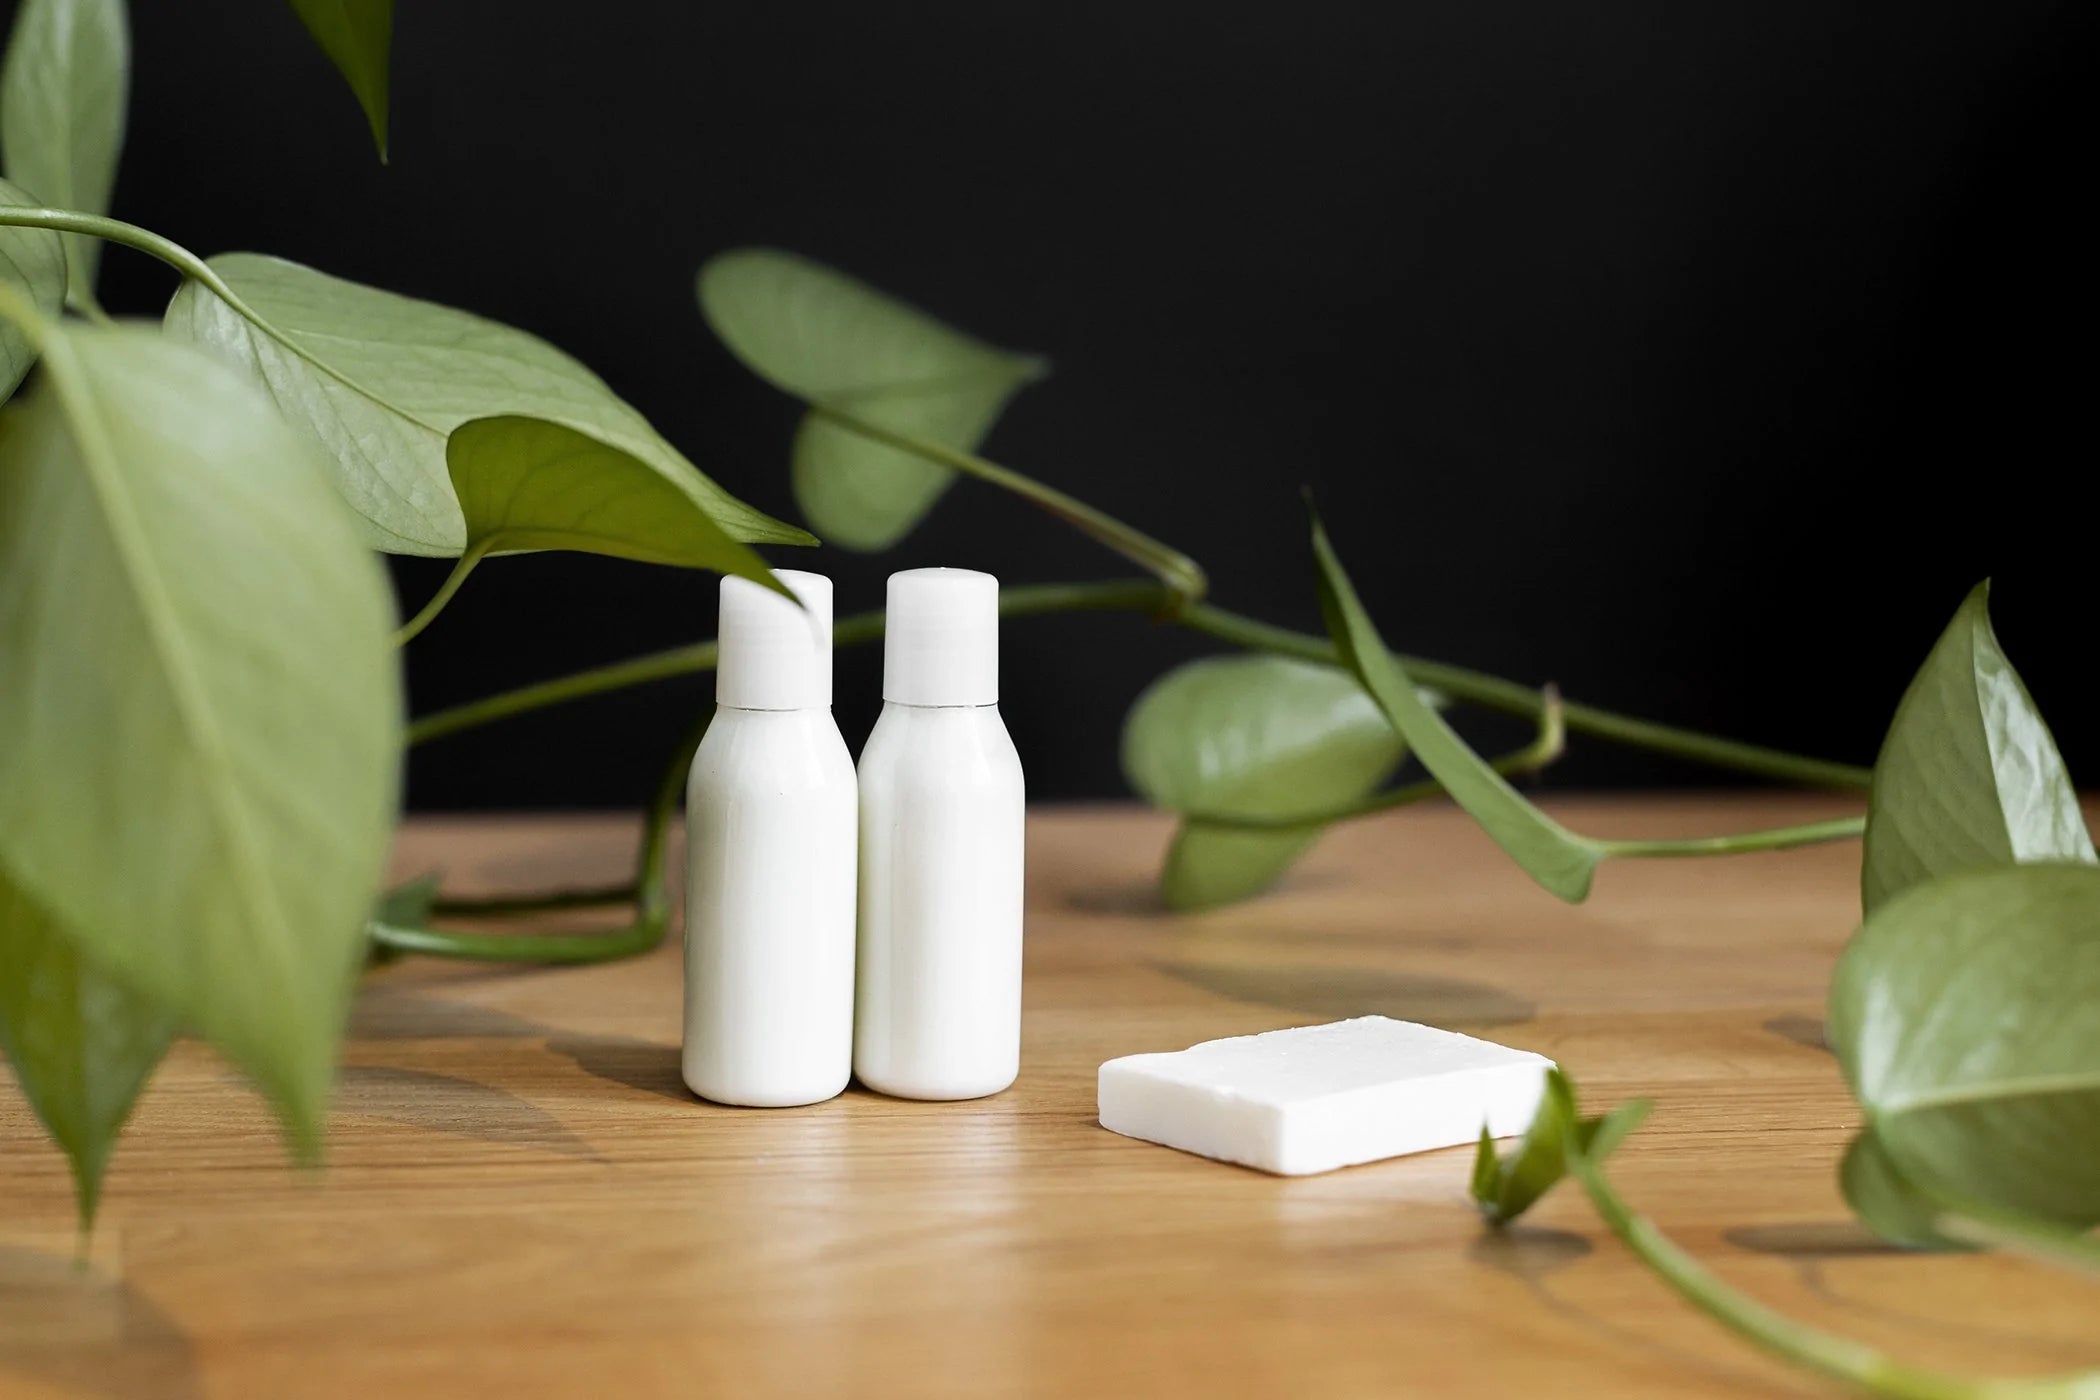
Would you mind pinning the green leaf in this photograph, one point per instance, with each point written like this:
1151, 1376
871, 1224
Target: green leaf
382, 380
200, 733
63, 90
1560, 860
1969, 775
828, 339
1886, 1201
355, 34
1503, 1189
82, 1044
1256, 736
33, 263
1963, 1014
525, 483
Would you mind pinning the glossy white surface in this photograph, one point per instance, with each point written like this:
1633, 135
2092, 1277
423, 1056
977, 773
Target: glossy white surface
939, 1004
1315, 1098
940, 644
773, 654
770, 856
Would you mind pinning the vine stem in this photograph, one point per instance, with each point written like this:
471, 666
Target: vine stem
461, 567
1837, 1357
1139, 595
651, 893
1184, 578
143, 240
1778, 838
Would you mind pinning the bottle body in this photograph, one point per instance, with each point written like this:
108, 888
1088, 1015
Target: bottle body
942, 811
771, 820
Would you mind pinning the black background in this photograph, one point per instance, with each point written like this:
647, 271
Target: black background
1698, 357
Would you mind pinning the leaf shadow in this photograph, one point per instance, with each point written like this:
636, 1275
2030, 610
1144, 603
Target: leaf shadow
443, 1103
399, 1013
1802, 1030
1811, 1244
75, 1327
634, 1064
1137, 897
1338, 991
1528, 1252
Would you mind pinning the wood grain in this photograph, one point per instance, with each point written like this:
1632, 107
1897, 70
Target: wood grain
522, 1200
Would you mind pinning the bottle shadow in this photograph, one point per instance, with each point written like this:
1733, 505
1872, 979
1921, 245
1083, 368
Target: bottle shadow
444, 1103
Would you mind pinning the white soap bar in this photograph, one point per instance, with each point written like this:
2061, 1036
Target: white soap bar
1319, 1097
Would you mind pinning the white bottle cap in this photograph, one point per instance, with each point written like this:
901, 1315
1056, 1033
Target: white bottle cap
941, 643
774, 655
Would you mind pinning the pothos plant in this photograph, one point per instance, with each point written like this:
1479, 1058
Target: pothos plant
201, 722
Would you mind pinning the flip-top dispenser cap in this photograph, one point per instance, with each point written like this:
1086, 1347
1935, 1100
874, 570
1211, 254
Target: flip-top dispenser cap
941, 644
774, 655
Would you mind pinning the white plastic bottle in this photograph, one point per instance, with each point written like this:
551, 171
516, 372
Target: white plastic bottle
938, 1011
770, 836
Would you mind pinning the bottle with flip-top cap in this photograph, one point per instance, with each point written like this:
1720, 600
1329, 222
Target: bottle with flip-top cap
938, 1007
771, 817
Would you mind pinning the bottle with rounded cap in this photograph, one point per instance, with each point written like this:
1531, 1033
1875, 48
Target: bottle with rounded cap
771, 822
938, 1007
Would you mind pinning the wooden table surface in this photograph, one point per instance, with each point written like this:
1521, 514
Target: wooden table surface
522, 1200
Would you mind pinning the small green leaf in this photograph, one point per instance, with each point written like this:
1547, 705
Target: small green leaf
382, 380
63, 90
81, 1043
828, 339
200, 733
524, 483
1969, 776
1504, 1189
1886, 1201
355, 34
1256, 736
1560, 860
33, 263
1963, 1015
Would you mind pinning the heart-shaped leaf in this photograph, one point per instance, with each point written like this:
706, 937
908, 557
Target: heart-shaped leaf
1963, 1014
63, 90
200, 733
1885, 1200
33, 264
81, 1043
524, 483
1969, 775
356, 35
1254, 736
382, 379
828, 339
1560, 860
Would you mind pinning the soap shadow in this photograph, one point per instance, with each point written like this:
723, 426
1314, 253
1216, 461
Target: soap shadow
443, 1103
1338, 992
1802, 1030
72, 1327
630, 1063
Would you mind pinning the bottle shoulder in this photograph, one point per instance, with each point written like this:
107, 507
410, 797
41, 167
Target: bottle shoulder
947, 746
779, 750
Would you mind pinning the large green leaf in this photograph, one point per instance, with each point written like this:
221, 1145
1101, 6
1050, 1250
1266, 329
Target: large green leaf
33, 264
1969, 775
1560, 860
200, 732
355, 34
1251, 736
382, 379
828, 339
82, 1044
1963, 1014
63, 91
525, 483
